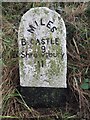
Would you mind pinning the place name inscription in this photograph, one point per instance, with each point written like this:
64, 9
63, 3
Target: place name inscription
42, 49
38, 47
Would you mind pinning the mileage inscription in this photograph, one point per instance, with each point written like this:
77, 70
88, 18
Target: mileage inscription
40, 45
49, 25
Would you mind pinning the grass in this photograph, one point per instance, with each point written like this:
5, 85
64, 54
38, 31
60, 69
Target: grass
76, 17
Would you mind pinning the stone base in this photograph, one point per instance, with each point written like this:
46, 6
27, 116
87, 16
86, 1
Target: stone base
44, 97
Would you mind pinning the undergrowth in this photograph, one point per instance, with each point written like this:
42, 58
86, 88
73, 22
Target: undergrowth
77, 20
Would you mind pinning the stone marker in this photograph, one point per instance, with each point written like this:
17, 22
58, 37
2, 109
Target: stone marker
42, 57
42, 49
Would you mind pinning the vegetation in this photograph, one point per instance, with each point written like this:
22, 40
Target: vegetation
77, 20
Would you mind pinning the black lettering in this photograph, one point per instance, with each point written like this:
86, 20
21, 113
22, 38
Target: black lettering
42, 22
52, 41
49, 24
38, 42
42, 41
54, 55
28, 55
23, 42
53, 29
50, 54
32, 28
43, 49
23, 54
36, 23
42, 63
47, 41
57, 41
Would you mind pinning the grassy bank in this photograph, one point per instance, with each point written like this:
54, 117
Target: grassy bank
77, 21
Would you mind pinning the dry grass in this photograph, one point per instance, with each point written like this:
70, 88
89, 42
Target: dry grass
79, 56
78, 46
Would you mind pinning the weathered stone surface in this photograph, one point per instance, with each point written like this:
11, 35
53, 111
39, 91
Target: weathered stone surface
42, 49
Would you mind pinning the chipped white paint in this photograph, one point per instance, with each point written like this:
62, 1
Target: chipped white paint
42, 49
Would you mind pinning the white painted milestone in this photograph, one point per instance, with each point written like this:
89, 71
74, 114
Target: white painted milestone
42, 49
